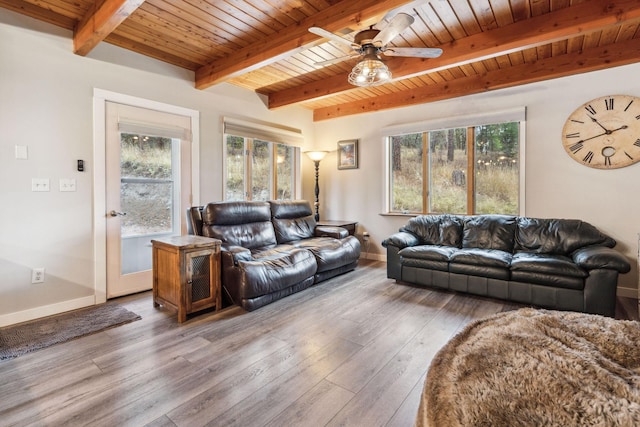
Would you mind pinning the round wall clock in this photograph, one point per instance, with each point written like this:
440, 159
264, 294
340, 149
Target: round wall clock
604, 133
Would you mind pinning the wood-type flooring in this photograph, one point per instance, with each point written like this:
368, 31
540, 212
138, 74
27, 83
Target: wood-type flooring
351, 351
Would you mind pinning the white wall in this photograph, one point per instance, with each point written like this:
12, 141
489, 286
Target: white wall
46, 101
556, 185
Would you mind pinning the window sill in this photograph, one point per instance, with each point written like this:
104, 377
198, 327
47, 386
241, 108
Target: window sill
412, 214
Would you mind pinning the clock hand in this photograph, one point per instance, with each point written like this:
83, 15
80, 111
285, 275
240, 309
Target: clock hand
595, 136
608, 132
593, 119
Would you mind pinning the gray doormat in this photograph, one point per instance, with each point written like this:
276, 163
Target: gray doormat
26, 337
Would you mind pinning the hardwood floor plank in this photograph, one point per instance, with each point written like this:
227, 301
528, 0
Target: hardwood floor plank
163, 421
212, 403
148, 354
406, 414
377, 403
269, 401
88, 401
627, 309
353, 350
358, 371
133, 400
319, 404
19, 394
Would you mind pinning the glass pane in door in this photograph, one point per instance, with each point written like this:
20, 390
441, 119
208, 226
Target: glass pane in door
146, 197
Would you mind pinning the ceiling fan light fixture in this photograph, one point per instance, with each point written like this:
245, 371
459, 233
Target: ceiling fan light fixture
371, 71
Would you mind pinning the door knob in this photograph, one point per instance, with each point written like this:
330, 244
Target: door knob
114, 213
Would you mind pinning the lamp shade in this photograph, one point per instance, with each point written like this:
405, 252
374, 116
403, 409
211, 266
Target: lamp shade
316, 156
371, 71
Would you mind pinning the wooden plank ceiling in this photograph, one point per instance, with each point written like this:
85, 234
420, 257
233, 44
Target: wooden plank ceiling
265, 46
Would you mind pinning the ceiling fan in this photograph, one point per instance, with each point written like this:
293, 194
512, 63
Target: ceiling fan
372, 42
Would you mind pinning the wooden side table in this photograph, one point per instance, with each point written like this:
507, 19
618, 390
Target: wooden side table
349, 225
186, 274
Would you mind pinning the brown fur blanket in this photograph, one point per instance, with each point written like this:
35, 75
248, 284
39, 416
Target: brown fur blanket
536, 368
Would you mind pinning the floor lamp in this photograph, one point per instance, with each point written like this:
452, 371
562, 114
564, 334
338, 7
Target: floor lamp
316, 156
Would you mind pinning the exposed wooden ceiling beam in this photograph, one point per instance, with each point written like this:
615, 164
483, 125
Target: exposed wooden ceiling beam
100, 21
599, 58
571, 21
347, 13
38, 12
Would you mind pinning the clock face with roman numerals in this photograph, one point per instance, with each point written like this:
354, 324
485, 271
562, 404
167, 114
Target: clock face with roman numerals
604, 133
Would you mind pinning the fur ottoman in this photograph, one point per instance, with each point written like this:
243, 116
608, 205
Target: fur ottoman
536, 367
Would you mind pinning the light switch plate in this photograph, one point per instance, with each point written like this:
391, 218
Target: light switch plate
67, 184
22, 152
39, 184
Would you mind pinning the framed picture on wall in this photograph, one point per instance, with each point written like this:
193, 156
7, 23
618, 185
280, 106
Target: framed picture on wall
348, 154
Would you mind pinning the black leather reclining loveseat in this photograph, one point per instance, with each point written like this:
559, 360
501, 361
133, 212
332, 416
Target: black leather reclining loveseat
272, 249
562, 264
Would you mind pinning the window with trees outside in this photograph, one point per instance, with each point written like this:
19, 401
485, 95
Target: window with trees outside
258, 166
458, 170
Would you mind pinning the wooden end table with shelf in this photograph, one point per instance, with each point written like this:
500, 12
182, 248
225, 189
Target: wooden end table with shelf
186, 274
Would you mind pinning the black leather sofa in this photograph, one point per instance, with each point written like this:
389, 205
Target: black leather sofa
272, 249
562, 264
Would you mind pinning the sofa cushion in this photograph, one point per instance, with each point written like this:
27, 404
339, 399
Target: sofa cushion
268, 275
246, 224
557, 236
331, 253
481, 257
271, 251
292, 220
489, 232
547, 280
436, 229
546, 264
428, 252
427, 264
501, 273
231, 213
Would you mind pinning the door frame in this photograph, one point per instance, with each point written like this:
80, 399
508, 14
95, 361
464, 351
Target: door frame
100, 98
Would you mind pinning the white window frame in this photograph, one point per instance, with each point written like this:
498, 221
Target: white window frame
272, 134
517, 114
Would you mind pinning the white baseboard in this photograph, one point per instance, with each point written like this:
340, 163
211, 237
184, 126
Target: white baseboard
46, 310
627, 292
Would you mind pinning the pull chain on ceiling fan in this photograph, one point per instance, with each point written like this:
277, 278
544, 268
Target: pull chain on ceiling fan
369, 44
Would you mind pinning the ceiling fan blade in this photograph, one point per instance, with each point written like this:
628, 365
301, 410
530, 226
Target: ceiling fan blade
335, 60
408, 8
418, 52
397, 25
329, 35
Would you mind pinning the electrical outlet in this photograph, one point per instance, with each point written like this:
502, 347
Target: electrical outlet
37, 275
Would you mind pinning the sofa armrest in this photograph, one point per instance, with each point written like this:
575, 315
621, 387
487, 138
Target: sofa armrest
601, 257
234, 253
401, 240
328, 231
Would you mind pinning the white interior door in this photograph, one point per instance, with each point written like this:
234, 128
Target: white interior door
148, 182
